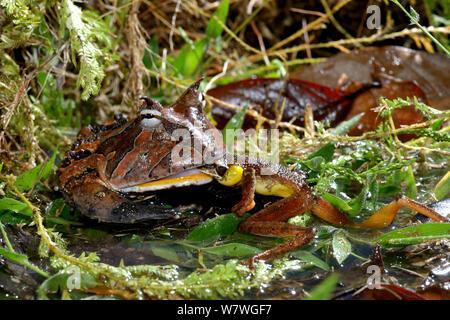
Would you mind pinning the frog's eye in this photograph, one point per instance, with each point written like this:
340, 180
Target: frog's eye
201, 99
150, 118
221, 170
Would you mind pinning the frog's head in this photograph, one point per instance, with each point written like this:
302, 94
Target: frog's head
185, 113
161, 146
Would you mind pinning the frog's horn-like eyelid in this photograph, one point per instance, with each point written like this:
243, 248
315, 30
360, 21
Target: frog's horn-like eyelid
147, 100
193, 89
196, 84
150, 103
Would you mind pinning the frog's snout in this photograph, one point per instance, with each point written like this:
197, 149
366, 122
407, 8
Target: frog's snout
232, 176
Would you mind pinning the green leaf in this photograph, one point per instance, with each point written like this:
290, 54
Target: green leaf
411, 188
370, 189
10, 217
166, 251
181, 58
345, 126
414, 235
385, 191
214, 29
414, 15
61, 280
190, 56
326, 152
15, 257
396, 178
59, 209
358, 202
324, 291
26, 180
374, 191
325, 231
21, 259
232, 250
437, 124
341, 247
307, 256
315, 163
153, 48
215, 228
194, 57
442, 188
234, 124
90, 42
15, 206
336, 201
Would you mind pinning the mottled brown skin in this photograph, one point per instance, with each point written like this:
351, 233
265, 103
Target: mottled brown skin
105, 160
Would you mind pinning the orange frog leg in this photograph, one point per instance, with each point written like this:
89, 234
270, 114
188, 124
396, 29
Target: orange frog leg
380, 219
385, 215
247, 202
271, 221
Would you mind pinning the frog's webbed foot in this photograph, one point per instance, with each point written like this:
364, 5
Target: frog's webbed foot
379, 219
385, 215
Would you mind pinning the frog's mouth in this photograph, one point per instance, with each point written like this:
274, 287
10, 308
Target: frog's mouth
191, 177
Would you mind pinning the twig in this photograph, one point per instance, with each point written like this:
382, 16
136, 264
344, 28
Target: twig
172, 26
5, 238
371, 39
424, 30
217, 76
316, 13
136, 42
334, 21
225, 28
261, 42
17, 100
280, 113
316, 22
249, 112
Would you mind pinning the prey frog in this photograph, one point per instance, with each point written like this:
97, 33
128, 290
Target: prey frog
111, 164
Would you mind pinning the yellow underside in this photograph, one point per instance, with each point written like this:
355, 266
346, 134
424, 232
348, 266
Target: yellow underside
174, 181
268, 187
232, 176
264, 185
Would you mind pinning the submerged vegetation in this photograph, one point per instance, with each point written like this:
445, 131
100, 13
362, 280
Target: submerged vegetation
64, 65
